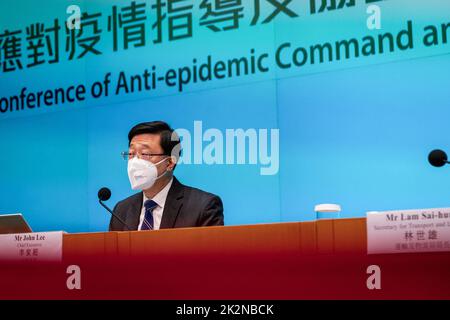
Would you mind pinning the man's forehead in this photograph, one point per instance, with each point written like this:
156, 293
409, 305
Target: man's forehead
146, 139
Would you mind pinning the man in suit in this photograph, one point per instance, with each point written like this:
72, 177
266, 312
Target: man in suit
163, 202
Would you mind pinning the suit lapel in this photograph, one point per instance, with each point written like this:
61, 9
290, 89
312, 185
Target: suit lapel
134, 212
173, 205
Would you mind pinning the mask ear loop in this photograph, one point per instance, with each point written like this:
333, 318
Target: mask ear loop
158, 163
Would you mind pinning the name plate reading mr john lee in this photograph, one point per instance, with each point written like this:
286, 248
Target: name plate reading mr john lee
44, 246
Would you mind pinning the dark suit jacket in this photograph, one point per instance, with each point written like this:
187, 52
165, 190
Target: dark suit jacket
185, 207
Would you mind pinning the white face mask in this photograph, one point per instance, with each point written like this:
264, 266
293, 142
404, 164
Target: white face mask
143, 174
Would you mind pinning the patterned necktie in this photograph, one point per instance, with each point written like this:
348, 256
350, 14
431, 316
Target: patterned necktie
147, 224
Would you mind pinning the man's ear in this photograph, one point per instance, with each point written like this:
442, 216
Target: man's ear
172, 163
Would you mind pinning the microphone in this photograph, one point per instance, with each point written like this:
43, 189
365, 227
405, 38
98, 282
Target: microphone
438, 158
103, 195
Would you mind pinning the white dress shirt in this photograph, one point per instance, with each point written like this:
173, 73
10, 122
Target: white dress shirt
160, 199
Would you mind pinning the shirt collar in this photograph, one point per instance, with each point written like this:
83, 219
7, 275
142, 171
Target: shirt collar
160, 197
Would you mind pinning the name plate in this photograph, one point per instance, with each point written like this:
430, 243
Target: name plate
423, 230
45, 246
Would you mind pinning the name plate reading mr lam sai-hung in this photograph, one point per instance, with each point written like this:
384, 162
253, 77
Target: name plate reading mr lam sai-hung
423, 230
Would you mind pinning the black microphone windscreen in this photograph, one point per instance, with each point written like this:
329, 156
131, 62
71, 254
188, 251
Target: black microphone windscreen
437, 158
104, 194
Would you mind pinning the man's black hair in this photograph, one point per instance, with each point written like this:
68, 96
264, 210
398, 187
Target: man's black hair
169, 138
